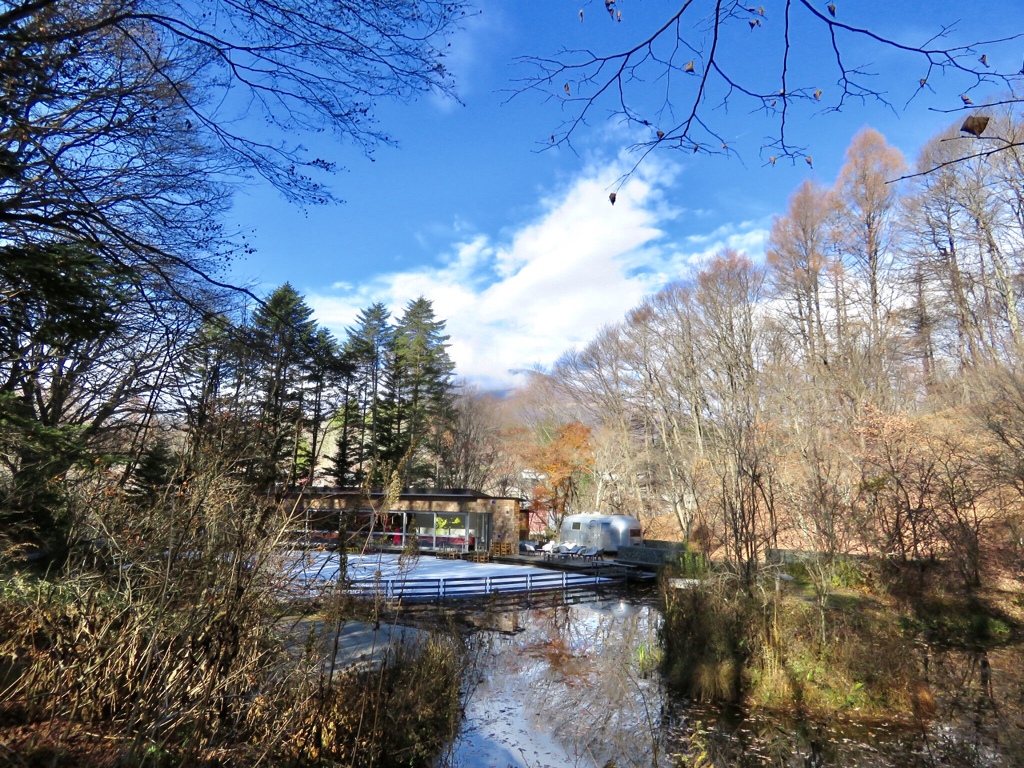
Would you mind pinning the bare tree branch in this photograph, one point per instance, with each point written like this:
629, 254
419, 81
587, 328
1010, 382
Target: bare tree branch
708, 56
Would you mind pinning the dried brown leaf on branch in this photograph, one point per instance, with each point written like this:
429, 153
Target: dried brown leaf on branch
975, 125
618, 80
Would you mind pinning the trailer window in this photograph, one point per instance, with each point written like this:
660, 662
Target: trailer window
634, 533
576, 526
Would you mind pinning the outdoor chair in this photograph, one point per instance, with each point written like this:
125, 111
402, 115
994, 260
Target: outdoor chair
567, 553
557, 552
548, 550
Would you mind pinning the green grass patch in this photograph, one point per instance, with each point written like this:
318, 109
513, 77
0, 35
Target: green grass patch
957, 619
785, 653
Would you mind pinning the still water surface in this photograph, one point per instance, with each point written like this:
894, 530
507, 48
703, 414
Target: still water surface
564, 685
577, 685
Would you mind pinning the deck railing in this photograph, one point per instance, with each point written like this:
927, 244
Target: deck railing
476, 586
386, 540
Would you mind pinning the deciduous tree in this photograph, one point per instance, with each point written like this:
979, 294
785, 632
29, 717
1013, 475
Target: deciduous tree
561, 465
800, 252
867, 233
671, 69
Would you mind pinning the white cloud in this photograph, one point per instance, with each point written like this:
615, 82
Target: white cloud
466, 51
552, 283
747, 237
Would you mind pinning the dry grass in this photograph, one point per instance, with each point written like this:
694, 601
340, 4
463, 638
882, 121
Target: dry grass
399, 715
709, 636
859, 656
768, 650
159, 644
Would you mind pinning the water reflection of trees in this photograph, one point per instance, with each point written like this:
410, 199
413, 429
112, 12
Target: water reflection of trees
588, 674
980, 710
585, 673
969, 714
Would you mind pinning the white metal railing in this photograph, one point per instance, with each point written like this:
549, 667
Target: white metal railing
475, 586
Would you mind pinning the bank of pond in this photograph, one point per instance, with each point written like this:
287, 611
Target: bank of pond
886, 669
880, 665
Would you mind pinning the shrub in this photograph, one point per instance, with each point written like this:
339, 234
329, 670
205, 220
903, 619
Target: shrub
709, 633
165, 636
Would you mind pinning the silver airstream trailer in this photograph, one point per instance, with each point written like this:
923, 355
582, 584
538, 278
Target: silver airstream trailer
607, 532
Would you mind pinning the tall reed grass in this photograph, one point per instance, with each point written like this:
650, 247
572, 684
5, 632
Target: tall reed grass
163, 636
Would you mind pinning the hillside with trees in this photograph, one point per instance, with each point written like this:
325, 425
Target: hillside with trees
858, 396
853, 394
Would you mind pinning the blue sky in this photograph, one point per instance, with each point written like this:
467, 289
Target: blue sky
519, 249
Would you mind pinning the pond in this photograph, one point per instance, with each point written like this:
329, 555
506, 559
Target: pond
577, 685
564, 685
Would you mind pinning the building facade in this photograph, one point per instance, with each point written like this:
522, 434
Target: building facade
458, 519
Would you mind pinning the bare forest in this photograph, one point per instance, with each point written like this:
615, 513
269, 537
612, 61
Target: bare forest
857, 393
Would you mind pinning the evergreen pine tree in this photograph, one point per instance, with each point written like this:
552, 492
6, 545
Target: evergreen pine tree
420, 394
153, 471
364, 352
282, 333
397, 400
327, 375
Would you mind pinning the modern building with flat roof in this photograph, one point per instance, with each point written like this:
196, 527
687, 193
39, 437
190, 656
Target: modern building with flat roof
458, 519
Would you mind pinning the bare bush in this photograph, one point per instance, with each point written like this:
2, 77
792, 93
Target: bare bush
166, 633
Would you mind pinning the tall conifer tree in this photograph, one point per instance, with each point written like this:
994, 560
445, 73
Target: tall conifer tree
365, 351
282, 335
399, 397
419, 393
